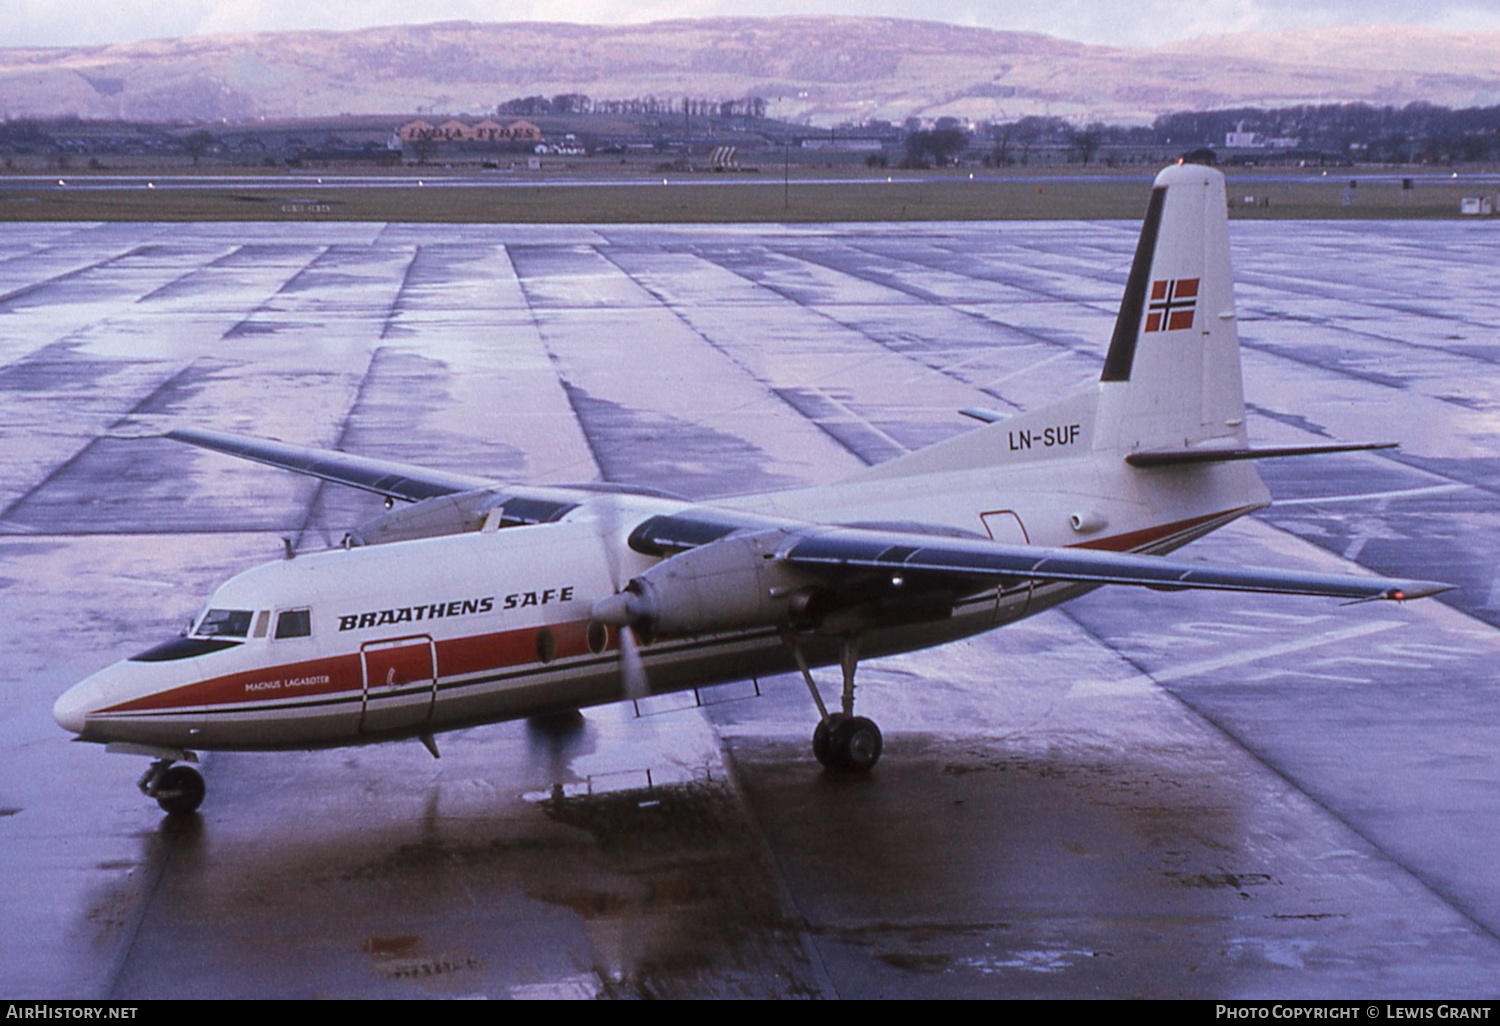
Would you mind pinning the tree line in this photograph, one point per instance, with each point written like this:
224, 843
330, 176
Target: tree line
1417, 132
579, 103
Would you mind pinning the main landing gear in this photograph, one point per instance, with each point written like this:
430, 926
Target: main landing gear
842, 740
179, 790
845, 742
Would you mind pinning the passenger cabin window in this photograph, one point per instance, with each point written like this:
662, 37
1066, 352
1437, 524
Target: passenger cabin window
294, 623
224, 623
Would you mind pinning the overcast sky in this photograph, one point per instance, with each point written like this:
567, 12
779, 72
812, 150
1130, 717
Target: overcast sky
1137, 23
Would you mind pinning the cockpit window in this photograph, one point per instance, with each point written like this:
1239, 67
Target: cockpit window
182, 648
294, 623
224, 623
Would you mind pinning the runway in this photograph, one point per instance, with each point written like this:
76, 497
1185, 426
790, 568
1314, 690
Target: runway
442, 177
1138, 795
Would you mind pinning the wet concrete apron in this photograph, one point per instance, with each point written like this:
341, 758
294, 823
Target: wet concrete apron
1140, 795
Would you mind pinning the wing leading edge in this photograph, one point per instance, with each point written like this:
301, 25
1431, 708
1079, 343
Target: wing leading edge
938, 557
958, 560
383, 477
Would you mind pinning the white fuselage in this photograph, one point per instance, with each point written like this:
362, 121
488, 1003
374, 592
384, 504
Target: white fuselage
369, 643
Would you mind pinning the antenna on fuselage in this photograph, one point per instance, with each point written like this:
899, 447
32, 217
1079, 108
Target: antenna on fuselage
288, 551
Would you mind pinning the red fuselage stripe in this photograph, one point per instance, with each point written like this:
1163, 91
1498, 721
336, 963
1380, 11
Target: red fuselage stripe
344, 674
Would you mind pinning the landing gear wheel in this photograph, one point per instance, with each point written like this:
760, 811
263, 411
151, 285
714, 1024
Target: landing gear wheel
180, 790
857, 742
841, 740
822, 744
847, 743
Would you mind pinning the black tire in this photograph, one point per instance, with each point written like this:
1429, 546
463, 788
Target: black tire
856, 743
180, 791
822, 742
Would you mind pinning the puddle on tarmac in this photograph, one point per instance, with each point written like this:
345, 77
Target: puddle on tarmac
686, 905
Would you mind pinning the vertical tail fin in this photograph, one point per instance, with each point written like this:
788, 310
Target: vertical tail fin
1172, 375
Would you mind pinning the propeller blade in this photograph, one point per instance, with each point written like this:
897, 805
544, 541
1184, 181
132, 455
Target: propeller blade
632, 668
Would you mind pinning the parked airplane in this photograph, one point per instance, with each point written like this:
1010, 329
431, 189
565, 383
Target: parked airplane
484, 602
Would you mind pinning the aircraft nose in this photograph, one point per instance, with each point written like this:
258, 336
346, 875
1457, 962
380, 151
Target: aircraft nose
72, 708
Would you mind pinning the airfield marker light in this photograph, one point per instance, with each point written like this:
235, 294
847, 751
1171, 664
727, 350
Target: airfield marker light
150, 185
61, 182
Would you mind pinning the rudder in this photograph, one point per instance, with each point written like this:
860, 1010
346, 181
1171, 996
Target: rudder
1172, 374
1171, 377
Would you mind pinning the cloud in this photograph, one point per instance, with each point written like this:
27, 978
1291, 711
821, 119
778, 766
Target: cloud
1140, 23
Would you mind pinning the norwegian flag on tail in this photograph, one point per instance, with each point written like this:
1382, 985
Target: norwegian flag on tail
1172, 303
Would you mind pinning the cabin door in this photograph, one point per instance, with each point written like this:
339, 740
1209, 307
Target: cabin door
400, 679
1004, 526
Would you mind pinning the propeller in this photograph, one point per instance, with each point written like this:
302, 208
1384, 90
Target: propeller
632, 668
623, 611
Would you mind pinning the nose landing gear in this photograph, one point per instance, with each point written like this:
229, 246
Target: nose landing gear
179, 790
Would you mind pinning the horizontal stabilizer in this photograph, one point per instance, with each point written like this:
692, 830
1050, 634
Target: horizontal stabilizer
383, 477
1180, 457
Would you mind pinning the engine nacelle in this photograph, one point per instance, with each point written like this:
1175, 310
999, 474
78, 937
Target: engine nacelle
430, 518
460, 513
738, 583
731, 584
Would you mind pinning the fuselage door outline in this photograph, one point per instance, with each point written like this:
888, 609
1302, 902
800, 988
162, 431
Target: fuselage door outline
398, 674
1005, 526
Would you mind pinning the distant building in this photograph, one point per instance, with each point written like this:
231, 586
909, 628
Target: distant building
414, 130
1238, 138
489, 130
523, 131
845, 144
456, 137
454, 130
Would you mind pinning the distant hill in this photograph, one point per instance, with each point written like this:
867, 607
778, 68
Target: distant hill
824, 69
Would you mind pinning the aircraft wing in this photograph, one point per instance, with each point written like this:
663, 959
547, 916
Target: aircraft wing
957, 561
939, 558
383, 477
